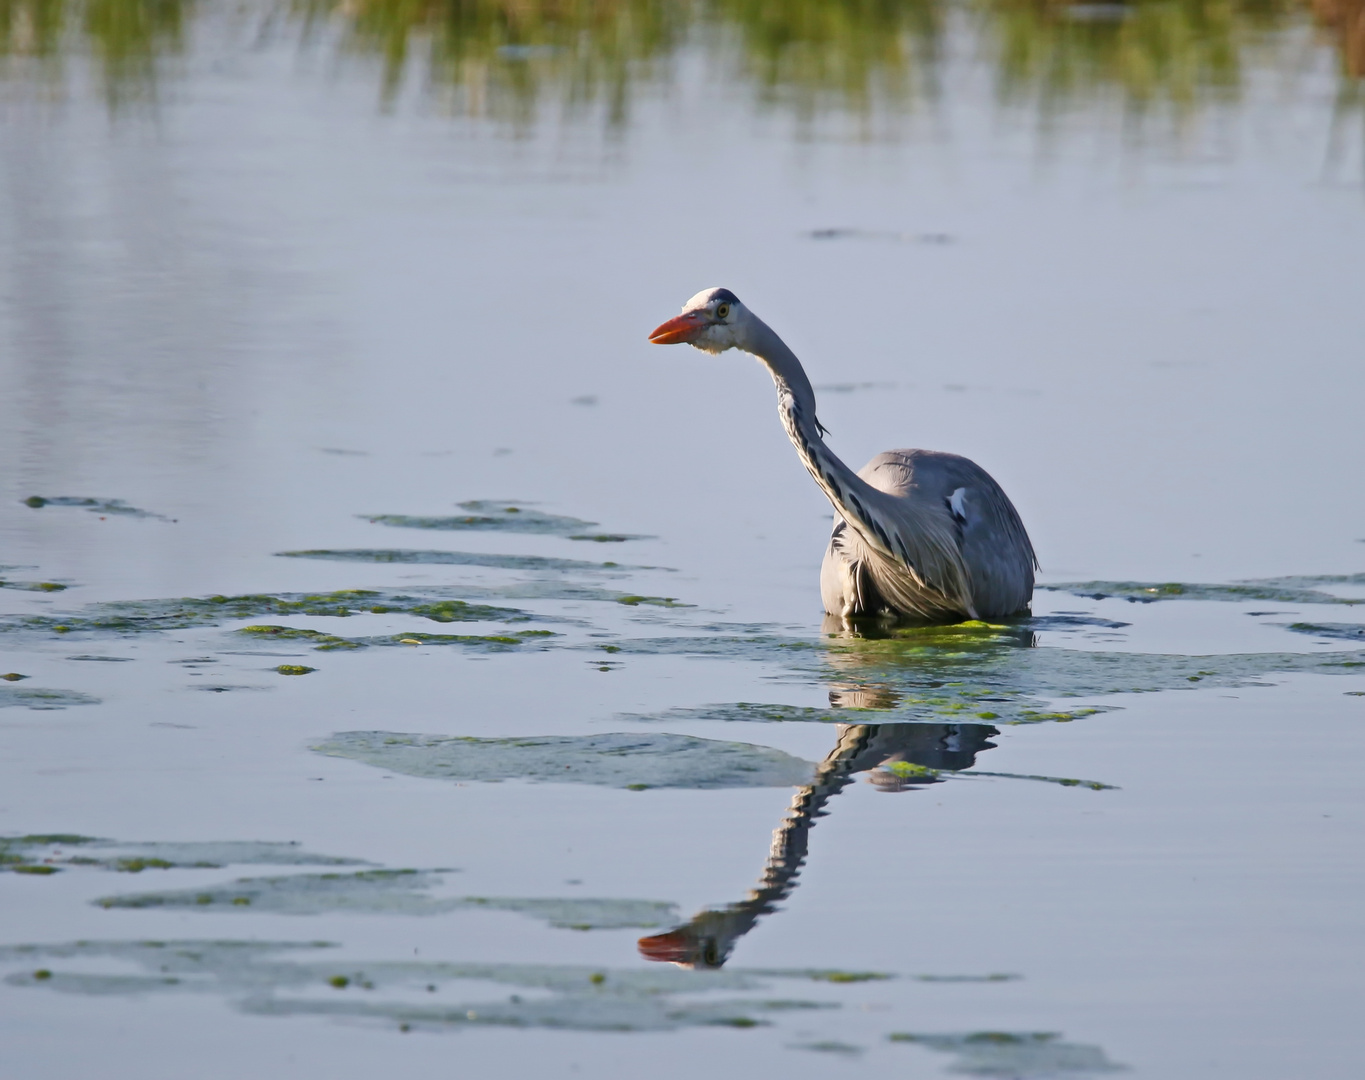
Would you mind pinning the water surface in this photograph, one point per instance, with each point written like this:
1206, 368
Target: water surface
345, 508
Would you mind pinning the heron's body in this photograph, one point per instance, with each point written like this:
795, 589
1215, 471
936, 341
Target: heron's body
856, 580
917, 534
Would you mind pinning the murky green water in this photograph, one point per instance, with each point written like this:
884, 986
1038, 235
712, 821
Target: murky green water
401, 661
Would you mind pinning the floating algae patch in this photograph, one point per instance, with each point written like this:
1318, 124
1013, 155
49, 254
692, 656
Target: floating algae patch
955, 645
757, 647
141, 616
316, 638
1022, 1056
1294, 589
743, 711
564, 590
1062, 781
489, 515
40, 697
582, 914
610, 538
455, 558
1345, 631
393, 892
324, 642
107, 507
619, 760
33, 586
829, 1046
922, 710
1065, 622
97, 853
966, 673
570, 1012
225, 967
432, 995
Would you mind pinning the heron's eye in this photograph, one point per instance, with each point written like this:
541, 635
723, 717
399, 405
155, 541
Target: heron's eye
722, 311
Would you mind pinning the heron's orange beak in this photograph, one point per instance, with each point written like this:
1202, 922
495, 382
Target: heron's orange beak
672, 947
680, 330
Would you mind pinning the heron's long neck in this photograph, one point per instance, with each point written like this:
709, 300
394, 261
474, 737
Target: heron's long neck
796, 405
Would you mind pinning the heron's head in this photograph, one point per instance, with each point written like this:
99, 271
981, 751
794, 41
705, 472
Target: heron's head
694, 945
713, 320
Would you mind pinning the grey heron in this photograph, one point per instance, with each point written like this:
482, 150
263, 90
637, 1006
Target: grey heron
918, 534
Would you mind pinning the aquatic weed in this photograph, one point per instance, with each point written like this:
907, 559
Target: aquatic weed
609, 760
141, 616
1292, 589
487, 515
115, 507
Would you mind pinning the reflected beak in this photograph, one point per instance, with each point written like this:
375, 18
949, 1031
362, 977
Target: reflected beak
673, 947
684, 328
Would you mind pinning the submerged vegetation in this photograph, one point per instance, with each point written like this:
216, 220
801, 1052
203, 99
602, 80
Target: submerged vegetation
621, 760
33, 586
105, 507
966, 673
457, 558
180, 613
488, 515
41, 697
505, 59
324, 642
57, 850
392, 892
1292, 589
279, 978
1008, 1053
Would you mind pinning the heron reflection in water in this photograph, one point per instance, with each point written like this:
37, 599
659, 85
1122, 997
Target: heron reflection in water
707, 940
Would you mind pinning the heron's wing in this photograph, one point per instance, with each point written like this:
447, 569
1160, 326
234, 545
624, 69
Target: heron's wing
952, 514
903, 555
997, 550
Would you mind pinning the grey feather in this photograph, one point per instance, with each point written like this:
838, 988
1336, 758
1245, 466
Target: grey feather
990, 539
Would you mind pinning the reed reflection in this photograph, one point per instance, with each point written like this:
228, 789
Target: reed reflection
125, 37
500, 58
896, 757
506, 58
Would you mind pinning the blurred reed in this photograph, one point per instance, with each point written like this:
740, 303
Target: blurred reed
506, 59
125, 37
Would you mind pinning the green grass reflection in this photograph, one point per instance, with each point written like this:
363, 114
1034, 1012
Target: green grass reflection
125, 38
506, 59
500, 57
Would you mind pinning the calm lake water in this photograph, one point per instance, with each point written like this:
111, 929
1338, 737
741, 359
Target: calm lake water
299, 300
